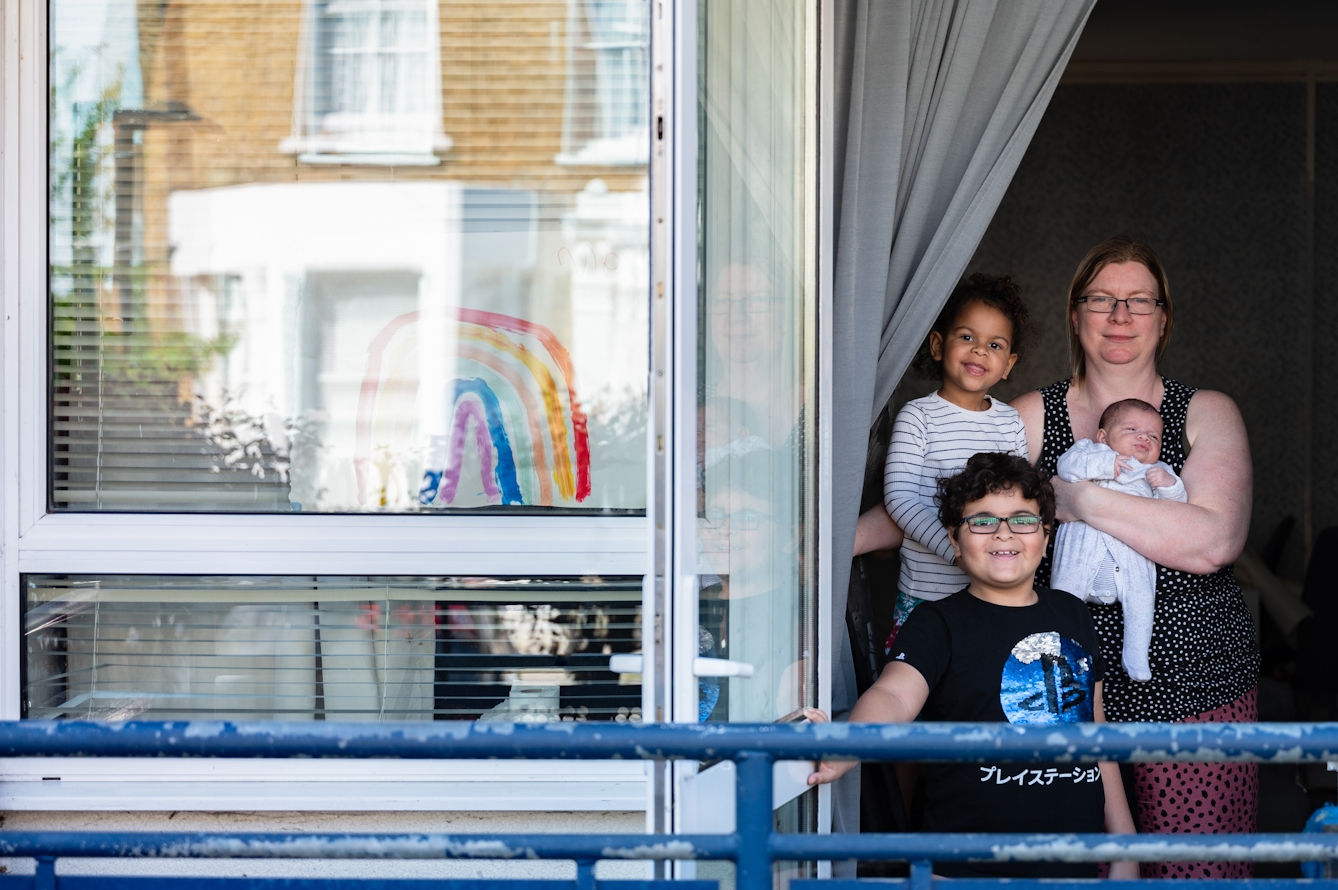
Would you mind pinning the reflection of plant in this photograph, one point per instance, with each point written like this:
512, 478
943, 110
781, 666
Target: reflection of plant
115, 366
249, 442
618, 423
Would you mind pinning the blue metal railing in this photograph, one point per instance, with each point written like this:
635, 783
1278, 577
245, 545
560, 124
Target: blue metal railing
754, 846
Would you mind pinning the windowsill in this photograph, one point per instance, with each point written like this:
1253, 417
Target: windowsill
230, 785
165, 543
585, 159
621, 152
370, 159
369, 150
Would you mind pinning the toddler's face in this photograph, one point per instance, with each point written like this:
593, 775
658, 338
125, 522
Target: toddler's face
1134, 433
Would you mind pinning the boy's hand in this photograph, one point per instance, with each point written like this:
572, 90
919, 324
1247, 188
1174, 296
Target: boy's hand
1122, 463
828, 771
1159, 478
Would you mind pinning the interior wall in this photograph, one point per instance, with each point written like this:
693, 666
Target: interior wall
1324, 490
1209, 31
1213, 175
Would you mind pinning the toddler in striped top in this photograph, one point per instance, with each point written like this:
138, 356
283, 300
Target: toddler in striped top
973, 345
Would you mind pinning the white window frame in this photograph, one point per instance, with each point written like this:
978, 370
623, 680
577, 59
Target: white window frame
34, 540
418, 145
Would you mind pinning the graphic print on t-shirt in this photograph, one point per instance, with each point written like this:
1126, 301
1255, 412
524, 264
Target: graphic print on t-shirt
1047, 679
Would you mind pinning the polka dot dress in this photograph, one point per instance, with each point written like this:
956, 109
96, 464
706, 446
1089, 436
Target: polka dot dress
1205, 666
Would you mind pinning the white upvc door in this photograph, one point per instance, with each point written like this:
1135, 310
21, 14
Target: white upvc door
741, 343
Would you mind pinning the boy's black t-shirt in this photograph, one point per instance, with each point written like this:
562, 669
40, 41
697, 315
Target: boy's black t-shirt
1036, 664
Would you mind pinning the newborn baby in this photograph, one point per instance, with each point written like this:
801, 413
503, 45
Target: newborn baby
1091, 564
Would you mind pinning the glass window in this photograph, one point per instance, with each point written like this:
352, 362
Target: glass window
326, 259
336, 648
756, 353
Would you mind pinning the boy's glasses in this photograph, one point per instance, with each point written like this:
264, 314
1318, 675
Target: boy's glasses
984, 524
1106, 305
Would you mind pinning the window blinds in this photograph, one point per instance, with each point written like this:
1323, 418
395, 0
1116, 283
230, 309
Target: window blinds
117, 648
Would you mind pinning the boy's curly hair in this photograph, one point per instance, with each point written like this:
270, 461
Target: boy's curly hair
1002, 293
989, 473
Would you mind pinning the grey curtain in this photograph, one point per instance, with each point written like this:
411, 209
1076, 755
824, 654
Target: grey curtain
936, 102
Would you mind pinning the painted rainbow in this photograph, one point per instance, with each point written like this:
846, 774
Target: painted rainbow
518, 410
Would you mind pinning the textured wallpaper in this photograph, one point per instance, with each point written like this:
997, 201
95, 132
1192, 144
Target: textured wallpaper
1213, 175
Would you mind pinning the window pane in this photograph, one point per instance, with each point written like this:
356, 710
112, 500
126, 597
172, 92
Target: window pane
329, 648
756, 529
348, 255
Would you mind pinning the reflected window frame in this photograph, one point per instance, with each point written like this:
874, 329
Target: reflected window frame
325, 131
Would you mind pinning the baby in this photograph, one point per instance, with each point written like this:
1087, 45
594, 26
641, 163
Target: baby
1091, 564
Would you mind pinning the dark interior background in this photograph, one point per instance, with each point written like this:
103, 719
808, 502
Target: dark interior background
1210, 129
1190, 125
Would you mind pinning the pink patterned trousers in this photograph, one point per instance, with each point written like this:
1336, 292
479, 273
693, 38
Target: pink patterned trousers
1200, 798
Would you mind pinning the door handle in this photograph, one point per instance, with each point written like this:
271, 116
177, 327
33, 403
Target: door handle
625, 664
701, 667
720, 667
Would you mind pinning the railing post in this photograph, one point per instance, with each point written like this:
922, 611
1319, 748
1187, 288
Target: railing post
753, 821
922, 875
585, 874
45, 877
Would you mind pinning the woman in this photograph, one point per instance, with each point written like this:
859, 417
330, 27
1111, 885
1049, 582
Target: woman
1205, 662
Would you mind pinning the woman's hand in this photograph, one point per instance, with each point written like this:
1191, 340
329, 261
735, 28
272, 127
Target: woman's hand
875, 530
1068, 499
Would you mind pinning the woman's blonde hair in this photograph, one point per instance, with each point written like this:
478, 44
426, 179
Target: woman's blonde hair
1116, 249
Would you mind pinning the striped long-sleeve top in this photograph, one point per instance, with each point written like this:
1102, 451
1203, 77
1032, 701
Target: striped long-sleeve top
932, 438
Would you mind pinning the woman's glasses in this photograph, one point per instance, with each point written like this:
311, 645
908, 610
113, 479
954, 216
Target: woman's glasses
739, 520
985, 524
1106, 305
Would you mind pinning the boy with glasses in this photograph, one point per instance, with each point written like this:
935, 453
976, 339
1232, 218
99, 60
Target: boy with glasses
1000, 650
1092, 565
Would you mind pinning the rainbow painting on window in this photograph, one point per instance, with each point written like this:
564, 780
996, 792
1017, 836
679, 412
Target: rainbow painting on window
510, 401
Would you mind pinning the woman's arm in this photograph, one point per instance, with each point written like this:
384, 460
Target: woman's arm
1200, 536
1118, 818
875, 530
1031, 405
895, 697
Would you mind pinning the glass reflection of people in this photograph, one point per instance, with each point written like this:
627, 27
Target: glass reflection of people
753, 365
752, 551
749, 465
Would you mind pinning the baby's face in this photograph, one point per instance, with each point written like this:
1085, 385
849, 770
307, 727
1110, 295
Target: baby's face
1134, 433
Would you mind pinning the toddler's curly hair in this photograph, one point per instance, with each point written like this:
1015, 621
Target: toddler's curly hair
1001, 293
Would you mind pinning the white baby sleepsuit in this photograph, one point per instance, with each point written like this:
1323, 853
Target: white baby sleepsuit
1095, 567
